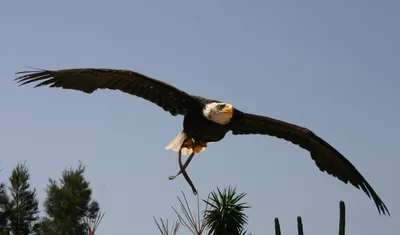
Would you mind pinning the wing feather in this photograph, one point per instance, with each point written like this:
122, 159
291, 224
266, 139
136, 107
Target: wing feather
326, 157
88, 80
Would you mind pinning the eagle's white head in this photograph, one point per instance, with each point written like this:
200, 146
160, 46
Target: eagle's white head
218, 112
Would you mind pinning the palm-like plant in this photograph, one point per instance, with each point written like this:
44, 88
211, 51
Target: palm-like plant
226, 214
225, 217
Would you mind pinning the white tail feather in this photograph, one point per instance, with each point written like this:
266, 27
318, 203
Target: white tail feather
176, 144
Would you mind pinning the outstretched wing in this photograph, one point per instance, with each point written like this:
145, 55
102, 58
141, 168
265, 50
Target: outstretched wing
88, 80
325, 156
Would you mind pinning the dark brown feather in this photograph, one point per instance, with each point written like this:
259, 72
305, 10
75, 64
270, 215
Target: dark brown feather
326, 157
88, 80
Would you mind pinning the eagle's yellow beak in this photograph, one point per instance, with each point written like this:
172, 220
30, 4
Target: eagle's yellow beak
228, 109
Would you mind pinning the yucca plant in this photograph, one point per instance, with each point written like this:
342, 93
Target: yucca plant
226, 216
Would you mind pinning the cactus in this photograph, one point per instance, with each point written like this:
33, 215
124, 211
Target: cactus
277, 227
299, 226
342, 222
342, 219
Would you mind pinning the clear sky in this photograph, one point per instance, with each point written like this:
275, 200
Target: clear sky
330, 66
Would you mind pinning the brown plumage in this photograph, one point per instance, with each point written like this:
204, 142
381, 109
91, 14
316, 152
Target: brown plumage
205, 120
88, 80
327, 158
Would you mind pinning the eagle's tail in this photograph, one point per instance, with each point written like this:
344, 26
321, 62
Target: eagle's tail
176, 144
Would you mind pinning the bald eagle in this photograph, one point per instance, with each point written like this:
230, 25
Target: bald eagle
205, 120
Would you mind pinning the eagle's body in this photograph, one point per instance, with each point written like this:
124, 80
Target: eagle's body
198, 127
205, 120
202, 129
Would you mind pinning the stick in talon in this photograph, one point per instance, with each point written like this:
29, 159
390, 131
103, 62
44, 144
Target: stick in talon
185, 174
184, 166
197, 148
188, 144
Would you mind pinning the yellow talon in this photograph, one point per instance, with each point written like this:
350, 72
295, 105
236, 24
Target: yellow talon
198, 148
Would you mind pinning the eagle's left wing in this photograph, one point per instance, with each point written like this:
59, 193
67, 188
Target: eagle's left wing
326, 157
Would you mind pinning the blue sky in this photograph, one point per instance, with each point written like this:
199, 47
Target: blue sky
330, 66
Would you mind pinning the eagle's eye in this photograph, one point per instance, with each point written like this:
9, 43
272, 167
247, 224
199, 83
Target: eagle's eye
221, 106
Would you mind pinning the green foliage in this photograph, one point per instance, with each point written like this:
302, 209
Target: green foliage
24, 204
226, 214
69, 204
4, 212
223, 215
20, 211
